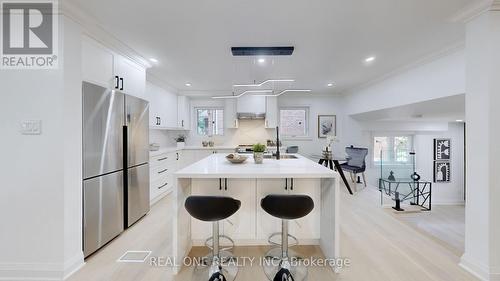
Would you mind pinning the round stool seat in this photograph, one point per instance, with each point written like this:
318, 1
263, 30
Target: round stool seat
287, 207
211, 208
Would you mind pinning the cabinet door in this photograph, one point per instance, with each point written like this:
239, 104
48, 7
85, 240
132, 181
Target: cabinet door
230, 114
201, 230
97, 64
183, 112
271, 112
307, 227
267, 224
241, 225
133, 75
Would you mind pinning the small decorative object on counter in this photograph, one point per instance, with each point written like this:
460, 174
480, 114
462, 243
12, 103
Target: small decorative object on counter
181, 141
211, 143
204, 143
258, 153
236, 158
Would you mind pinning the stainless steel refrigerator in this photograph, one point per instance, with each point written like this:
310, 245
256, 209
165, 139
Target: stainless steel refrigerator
115, 164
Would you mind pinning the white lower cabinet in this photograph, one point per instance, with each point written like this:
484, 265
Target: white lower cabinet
251, 224
162, 178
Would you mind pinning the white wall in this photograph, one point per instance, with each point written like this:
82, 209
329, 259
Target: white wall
40, 202
440, 78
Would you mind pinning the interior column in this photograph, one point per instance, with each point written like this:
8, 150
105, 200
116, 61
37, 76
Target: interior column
482, 234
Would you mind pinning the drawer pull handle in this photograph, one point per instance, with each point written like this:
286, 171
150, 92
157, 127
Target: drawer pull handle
162, 159
160, 187
162, 171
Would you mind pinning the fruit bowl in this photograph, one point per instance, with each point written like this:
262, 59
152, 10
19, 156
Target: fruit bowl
236, 158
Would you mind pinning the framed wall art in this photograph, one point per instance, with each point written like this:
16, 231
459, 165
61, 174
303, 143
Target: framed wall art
327, 124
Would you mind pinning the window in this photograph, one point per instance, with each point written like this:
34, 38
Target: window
294, 122
392, 150
210, 121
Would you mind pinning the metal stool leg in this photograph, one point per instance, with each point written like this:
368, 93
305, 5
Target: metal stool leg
220, 265
281, 261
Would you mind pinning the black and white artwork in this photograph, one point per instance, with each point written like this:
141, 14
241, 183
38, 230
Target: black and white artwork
442, 149
327, 125
442, 171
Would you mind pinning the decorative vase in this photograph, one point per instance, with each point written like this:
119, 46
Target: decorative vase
181, 145
258, 157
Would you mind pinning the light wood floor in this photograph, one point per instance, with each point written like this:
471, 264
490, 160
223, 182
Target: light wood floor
446, 224
380, 247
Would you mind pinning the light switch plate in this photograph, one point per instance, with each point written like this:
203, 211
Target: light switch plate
31, 127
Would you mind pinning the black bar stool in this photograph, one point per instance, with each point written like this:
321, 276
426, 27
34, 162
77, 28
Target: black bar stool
285, 207
214, 209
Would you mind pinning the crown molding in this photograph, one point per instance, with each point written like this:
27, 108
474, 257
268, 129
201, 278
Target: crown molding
471, 11
92, 28
156, 80
451, 49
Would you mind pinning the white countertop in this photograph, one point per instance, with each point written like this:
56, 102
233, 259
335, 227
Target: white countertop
216, 166
173, 149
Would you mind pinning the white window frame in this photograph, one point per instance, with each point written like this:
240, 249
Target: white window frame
390, 135
307, 135
208, 108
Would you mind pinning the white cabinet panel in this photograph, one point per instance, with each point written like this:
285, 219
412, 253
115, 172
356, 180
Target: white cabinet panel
267, 224
241, 225
201, 230
97, 63
271, 112
183, 112
230, 114
162, 107
133, 76
307, 227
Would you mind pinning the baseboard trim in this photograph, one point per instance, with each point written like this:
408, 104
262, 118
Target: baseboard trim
41, 271
475, 268
73, 265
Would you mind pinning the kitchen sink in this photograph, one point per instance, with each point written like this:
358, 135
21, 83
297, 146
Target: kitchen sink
281, 157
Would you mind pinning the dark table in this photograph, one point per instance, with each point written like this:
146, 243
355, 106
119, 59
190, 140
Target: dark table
334, 163
417, 192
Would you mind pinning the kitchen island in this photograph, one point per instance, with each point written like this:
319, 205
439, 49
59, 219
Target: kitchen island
249, 183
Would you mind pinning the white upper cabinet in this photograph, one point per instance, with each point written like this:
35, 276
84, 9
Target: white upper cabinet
183, 112
162, 107
102, 66
251, 104
131, 77
271, 112
230, 114
97, 64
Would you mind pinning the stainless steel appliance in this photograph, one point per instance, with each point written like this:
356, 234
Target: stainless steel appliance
115, 164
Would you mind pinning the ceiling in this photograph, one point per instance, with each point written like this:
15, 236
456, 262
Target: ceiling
191, 39
448, 109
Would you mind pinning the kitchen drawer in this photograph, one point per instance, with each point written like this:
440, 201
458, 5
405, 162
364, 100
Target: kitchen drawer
163, 169
163, 159
161, 185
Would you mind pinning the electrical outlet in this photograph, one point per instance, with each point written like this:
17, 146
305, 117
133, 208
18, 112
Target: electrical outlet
31, 127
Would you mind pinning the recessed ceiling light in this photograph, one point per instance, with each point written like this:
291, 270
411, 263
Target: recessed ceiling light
261, 60
330, 84
370, 59
188, 84
153, 60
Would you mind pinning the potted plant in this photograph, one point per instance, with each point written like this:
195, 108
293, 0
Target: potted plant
258, 153
181, 141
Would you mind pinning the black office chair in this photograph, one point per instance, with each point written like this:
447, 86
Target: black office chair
285, 207
218, 266
356, 162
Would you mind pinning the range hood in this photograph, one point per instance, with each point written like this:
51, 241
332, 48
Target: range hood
251, 116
